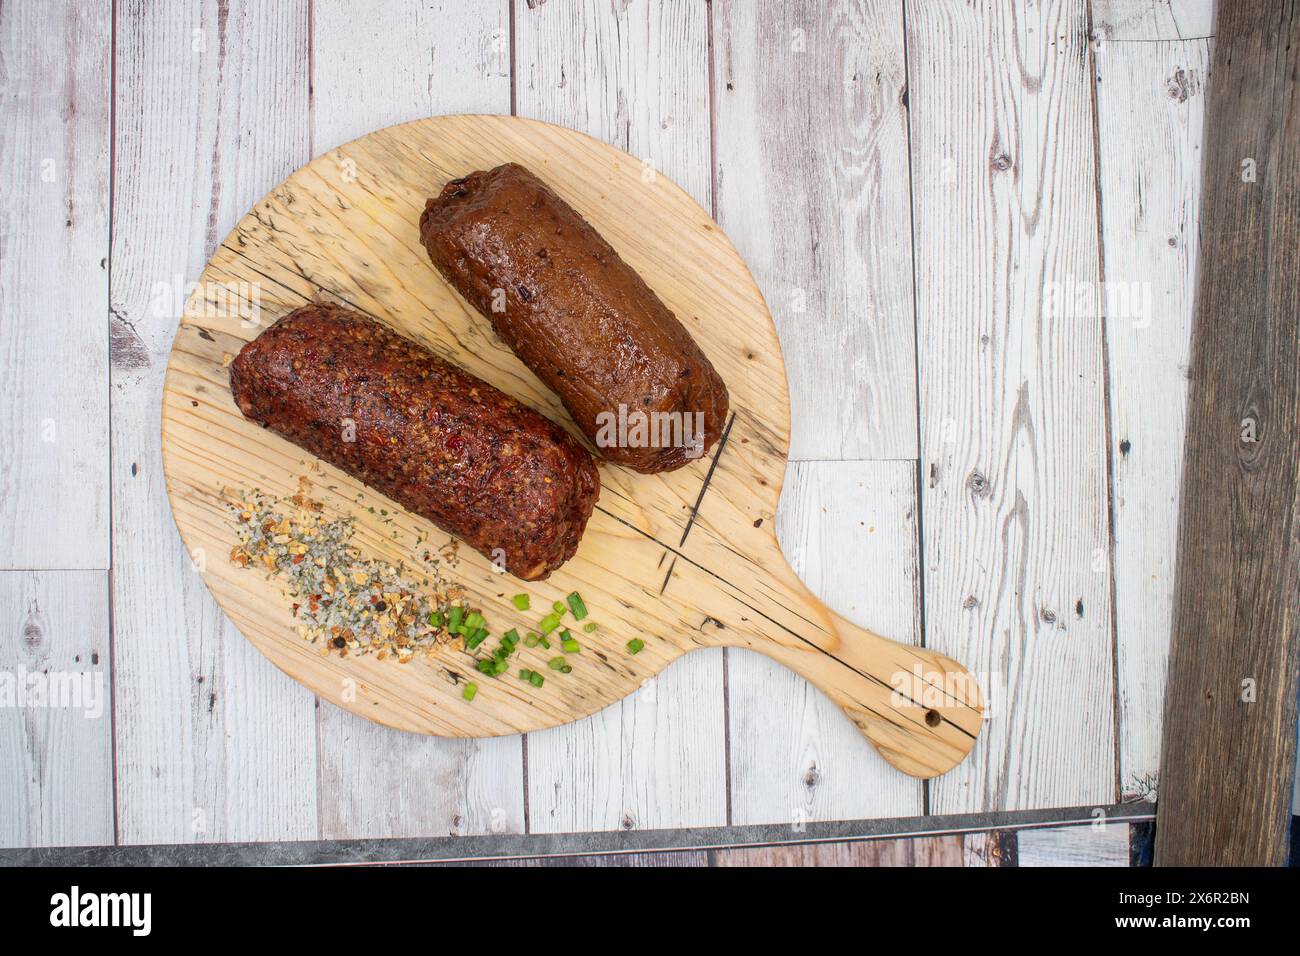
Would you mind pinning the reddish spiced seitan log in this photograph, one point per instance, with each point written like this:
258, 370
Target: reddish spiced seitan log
440, 442
577, 315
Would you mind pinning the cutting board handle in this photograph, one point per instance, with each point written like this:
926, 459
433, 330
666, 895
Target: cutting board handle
920, 709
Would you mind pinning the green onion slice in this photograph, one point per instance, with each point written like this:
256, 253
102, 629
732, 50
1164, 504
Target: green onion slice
577, 606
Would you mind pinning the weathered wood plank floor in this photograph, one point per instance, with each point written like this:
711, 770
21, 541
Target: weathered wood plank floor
975, 226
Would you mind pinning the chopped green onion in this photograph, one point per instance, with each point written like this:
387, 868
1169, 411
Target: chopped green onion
566, 669
536, 679
555, 663
559, 608
474, 620
524, 673
487, 665
510, 637
435, 619
499, 668
544, 642
475, 638
570, 646
521, 602
589, 626
634, 646
470, 690
575, 604
457, 614
531, 640
549, 623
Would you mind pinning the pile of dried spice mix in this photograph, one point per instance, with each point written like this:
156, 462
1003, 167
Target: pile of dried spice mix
345, 602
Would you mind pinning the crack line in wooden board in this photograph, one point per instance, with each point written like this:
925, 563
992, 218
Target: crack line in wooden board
695, 510
796, 634
297, 271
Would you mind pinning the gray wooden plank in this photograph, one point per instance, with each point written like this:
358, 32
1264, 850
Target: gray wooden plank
1150, 122
213, 743
56, 739
849, 529
54, 484
813, 190
635, 75
1227, 759
1013, 425
401, 61
404, 60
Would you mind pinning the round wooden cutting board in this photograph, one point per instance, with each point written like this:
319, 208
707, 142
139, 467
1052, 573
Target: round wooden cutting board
681, 560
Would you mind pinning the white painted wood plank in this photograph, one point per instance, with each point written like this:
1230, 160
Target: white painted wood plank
1129, 20
813, 190
635, 75
54, 284
819, 209
1150, 118
378, 782
1013, 430
632, 74
1089, 845
56, 739
849, 529
213, 743
654, 760
404, 60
